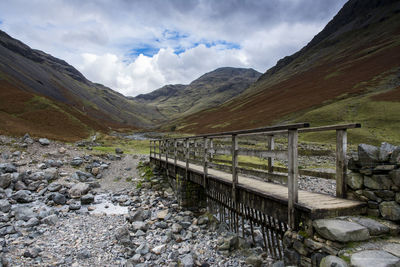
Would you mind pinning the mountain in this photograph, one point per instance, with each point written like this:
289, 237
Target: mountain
349, 72
46, 96
208, 91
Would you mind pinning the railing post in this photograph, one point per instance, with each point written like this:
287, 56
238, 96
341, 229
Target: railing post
292, 176
205, 161
154, 148
234, 165
187, 156
175, 155
151, 146
341, 163
211, 146
271, 146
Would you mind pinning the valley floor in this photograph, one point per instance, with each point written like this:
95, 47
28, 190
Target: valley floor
67, 205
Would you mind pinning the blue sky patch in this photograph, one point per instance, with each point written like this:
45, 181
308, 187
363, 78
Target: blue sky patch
222, 45
145, 49
1, 22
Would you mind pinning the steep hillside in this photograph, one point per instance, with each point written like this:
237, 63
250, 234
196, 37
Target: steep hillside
210, 90
33, 73
350, 71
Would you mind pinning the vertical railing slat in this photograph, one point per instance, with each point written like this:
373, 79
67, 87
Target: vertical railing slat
341, 163
234, 165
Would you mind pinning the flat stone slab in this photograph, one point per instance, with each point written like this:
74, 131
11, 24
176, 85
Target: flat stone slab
374, 227
375, 258
339, 230
393, 248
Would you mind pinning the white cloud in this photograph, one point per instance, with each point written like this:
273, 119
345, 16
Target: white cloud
104, 39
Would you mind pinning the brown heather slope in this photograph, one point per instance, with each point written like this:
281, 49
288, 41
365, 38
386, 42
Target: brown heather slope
345, 64
22, 112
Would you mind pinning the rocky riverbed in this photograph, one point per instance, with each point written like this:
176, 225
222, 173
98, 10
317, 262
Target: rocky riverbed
62, 205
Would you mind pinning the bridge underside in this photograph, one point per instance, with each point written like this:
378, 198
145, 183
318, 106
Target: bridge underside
262, 205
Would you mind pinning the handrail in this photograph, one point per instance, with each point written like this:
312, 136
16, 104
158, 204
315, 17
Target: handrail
292, 131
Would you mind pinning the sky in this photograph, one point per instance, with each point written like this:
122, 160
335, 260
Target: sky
137, 46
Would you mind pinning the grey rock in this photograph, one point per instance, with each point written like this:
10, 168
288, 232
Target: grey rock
395, 157
256, 261
23, 213
136, 258
187, 260
390, 210
333, 261
87, 199
76, 162
278, 264
143, 249
393, 248
371, 195
385, 194
176, 228
162, 225
135, 216
119, 151
32, 252
59, 199
5, 180
75, 205
385, 151
377, 182
368, 155
374, 227
314, 245
7, 168
50, 220
78, 190
376, 258
84, 254
32, 222
22, 196
50, 174
300, 247
202, 220
54, 187
355, 180
140, 226
44, 141
5, 206
397, 197
342, 231
7, 230
395, 176
19, 185
291, 257
122, 236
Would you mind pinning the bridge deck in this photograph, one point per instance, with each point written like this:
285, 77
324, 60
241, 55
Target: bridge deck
312, 202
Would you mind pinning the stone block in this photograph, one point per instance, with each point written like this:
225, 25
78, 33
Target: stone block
390, 210
355, 180
368, 155
339, 230
377, 182
368, 258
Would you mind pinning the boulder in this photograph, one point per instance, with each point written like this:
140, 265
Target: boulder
375, 258
355, 180
75, 205
44, 141
377, 182
333, 261
339, 230
395, 157
23, 213
374, 227
87, 199
395, 176
254, 260
7, 168
22, 196
79, 189
50, 220
51, 174
135, 216
385, 151
59, 199
390, 210
54, 187
5, 206
5, 180
162, 214
139, 226
368, 155
76, 162
119, 151
122, 235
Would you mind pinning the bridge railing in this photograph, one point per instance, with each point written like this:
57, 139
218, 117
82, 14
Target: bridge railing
204, 149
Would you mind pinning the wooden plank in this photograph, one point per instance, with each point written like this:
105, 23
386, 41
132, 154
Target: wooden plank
292, 177
321, 128
341, 163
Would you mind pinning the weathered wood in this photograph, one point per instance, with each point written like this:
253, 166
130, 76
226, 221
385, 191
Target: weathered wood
187, 157
321, 128
234, 166
292, 177
277, 154
205, 161
341, 163
270, 146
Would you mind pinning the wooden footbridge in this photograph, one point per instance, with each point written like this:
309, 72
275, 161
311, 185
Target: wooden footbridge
264, 196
